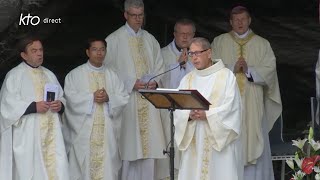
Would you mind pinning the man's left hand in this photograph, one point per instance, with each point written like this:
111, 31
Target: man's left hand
198, 115
152, 85
55, 106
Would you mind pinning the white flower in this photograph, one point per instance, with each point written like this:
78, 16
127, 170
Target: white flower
314, 145
298, 161
290, 163
317, 177
299, 175
299, 143
316, 169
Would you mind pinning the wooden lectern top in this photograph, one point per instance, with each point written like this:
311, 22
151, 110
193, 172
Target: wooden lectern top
180, 99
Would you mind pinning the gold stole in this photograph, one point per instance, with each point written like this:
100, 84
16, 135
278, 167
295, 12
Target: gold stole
241, 77
97, 138
47, 124
141, 66
207, 147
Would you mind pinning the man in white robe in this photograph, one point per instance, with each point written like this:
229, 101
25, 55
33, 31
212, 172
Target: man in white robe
135, 56
210, 139
30, 125
252, 60
95, 99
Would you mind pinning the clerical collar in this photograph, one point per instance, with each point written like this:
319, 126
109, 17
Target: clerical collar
243, 35
132, 32
217, 65
93, 67
30, 64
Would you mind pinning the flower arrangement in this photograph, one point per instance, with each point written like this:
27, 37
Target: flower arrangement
306, 163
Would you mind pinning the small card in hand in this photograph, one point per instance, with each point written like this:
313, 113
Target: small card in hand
50, 92
50, 96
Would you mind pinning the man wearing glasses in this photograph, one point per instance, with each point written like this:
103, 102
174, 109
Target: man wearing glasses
135, 56
252, 60
210, 140
176, 52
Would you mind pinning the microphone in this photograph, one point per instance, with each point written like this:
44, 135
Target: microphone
180, 64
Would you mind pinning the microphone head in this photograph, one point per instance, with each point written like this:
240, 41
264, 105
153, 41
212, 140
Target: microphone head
182, 63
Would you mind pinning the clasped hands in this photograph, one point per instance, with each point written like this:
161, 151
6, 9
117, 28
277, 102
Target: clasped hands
240, 66
198, 115
44, 106
100, 96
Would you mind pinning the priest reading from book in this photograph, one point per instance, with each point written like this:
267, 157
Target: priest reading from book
210, 140
31, 142
95, 99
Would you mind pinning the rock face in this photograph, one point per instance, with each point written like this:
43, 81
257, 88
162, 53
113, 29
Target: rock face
14, 25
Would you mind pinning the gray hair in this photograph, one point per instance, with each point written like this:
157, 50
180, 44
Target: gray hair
185, 21
133, 3
203, 42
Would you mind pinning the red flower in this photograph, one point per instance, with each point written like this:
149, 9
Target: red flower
308, 164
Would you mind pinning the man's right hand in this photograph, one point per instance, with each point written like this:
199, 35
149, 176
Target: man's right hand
42, 106
183, 57
139, 85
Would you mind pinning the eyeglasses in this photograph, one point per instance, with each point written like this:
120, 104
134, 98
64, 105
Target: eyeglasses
136, 15
185, 34
196, 53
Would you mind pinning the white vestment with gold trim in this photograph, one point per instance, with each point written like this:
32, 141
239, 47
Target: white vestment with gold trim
211, 149
260, 97
132, 56
91, 132
34, 147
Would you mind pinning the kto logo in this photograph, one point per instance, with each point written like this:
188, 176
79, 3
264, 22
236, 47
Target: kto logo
25, 20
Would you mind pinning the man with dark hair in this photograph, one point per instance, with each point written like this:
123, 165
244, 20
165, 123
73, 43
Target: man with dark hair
252, 60
135, 56
30, 121
95, 98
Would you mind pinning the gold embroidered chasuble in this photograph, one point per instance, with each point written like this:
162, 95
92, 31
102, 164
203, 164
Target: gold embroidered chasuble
259, 101
97, 138
47, 125
141, 67
133, 55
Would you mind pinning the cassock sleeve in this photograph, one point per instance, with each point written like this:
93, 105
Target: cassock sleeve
12, 105
118, 97
184, 129
268, 72
79, 103
224, 115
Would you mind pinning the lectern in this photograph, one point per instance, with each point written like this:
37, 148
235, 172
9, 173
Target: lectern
172, 100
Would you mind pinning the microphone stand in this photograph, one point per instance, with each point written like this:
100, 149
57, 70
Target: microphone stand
180, 64
171, 109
